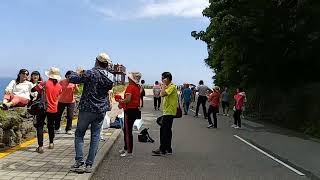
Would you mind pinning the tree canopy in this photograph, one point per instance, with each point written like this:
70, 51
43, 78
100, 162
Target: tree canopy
266, 42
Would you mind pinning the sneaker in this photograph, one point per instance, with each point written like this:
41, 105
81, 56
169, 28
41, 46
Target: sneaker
121, 151
78, 167
169, 152
88, 169
158, 152
40, 150
224, 114
233, 126
195, 116
51, 146
210, 126
58, 131
126, 154
237, 127
227, 115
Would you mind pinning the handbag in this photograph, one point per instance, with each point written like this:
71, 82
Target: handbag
159, 120
39, 105
179, 110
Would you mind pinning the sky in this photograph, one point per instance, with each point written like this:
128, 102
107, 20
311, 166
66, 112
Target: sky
150, 36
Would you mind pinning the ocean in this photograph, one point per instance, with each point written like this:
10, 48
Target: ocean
3, 84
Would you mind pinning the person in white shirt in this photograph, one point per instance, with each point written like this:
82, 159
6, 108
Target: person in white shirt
156, 95
17, 93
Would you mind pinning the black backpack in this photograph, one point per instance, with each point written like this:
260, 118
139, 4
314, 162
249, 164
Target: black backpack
144, 136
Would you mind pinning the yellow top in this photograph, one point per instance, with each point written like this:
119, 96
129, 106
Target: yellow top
170, 102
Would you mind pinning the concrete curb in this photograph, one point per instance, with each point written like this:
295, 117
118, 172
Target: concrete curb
101, 154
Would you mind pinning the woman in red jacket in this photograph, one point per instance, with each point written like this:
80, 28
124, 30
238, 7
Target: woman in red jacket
52, 90
214, 101
131, 105
239, 99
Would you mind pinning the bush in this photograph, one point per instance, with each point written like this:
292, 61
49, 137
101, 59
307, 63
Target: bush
119, 89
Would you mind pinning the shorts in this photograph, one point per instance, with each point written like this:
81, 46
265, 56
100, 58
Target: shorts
225, 104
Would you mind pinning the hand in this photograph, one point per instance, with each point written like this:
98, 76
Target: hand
80, 70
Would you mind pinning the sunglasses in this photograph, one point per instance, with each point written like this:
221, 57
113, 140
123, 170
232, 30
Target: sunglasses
25, 73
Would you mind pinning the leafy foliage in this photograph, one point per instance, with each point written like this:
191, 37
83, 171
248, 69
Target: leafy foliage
267, 41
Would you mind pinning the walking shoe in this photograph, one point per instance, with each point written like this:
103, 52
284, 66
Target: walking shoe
51, 146
88, 168
233, 126
40, 150
195, 116
78, 167
210, 126
224, 114
121, 151
69, 132
158, 152
126, 154
57, 131
237, 127
169, 152
227, 115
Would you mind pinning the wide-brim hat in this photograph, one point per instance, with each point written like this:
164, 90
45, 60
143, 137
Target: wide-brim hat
104, 58
53, 73
217, 88
135, 77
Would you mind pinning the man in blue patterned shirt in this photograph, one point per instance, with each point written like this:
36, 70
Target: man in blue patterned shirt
94, 104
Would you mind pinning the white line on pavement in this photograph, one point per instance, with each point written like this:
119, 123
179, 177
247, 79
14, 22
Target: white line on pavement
275, 159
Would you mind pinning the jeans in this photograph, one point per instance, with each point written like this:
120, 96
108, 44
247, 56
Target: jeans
51, 118
156, 102
213, 110
84, 120
70, 112
237, 119
202, 100
186, 106
166, 134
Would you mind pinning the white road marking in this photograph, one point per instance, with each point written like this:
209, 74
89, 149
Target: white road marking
268, 155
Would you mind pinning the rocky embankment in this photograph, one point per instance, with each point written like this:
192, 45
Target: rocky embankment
16, 125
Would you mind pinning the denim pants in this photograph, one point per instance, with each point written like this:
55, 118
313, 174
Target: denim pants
84, 120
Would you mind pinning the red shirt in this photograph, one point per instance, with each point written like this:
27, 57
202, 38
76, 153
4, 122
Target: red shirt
239, 100
214, 99
134, 90
68, 90
52, 94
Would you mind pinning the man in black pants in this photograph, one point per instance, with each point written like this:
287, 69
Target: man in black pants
202, 98
170, 104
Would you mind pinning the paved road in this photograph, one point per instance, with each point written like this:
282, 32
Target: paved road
199, 153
